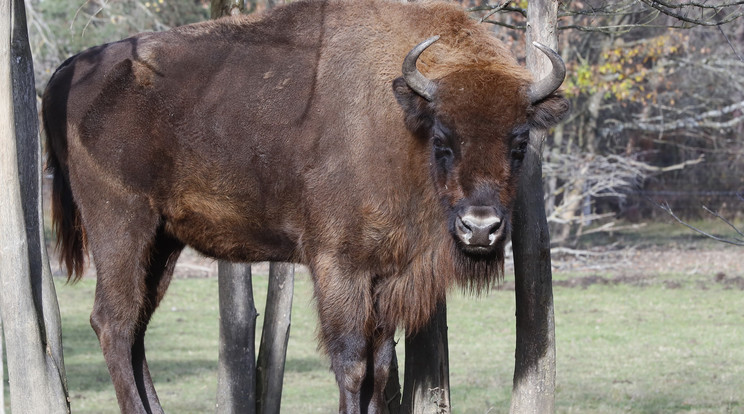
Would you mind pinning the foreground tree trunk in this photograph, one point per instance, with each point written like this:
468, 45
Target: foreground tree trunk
426, 377
236, 370
28, 302
272, 353
534, 371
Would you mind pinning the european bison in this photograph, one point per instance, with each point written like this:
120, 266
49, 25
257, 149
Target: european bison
293, 137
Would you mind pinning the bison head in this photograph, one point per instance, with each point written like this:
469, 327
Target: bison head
475, 121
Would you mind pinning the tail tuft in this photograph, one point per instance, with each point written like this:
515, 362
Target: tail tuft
66, 221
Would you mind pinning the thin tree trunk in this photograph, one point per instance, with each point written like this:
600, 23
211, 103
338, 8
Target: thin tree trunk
28, 302
236, 372
272, 353
534, 370
236, 376
426, 378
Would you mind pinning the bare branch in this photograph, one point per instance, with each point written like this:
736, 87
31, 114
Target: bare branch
658, 124
718, 216
706, 19
735, 241
498, 8
520, 27
725, 36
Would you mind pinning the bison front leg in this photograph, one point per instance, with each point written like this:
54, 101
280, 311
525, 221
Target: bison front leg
362, 366
360, 351
382, 356
349, 363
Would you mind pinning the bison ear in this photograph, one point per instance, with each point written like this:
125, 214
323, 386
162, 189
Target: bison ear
549, 111
418, 114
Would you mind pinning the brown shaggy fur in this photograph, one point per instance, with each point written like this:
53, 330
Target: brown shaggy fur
289, 137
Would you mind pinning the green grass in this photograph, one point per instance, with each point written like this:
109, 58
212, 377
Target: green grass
662, 232
638, 348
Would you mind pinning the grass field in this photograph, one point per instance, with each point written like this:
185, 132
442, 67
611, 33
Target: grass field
624, 345
658, 328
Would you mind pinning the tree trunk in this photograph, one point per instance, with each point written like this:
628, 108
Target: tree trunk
236, 372
28, 302
236, 376
392, 388
272, 353
426, 377
534, 370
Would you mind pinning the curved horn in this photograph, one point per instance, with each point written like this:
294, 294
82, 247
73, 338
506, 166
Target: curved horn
415, 80
549, 84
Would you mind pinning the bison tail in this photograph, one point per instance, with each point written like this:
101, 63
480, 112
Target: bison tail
66, 220
67, 224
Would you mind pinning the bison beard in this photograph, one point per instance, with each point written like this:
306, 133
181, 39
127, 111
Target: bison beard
293, 137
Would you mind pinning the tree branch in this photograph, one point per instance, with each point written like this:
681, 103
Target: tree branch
697, 121
733, 49
666, 8
735, 241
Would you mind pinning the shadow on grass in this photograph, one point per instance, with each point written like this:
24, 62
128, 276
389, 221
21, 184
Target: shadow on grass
86, 370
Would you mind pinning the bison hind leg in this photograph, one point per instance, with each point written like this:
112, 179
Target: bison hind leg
163, 255
135, 263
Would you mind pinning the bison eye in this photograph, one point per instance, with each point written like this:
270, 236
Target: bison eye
518, 152
441, 149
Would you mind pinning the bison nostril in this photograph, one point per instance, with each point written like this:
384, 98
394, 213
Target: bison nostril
463, 230
476, 228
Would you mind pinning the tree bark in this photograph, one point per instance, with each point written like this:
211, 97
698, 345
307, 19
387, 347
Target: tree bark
272, 353
534, 370
28, 302
236, 372
426, 378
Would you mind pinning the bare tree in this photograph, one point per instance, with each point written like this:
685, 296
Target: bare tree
28, 302
534, 370
646, 100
